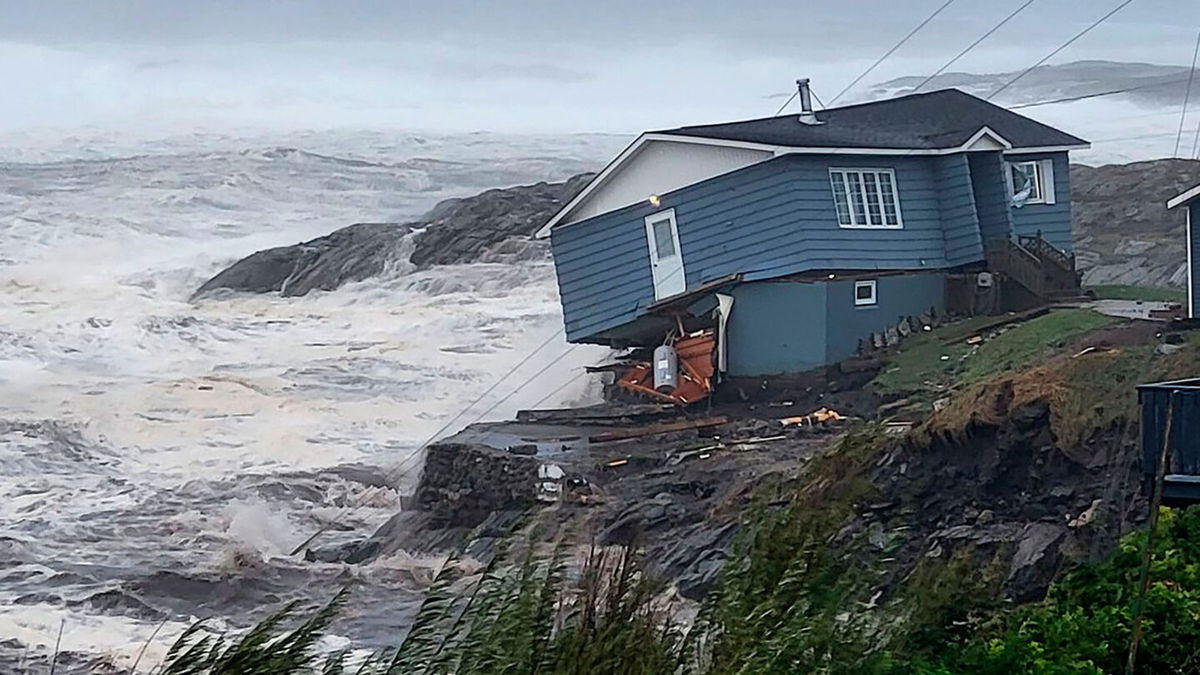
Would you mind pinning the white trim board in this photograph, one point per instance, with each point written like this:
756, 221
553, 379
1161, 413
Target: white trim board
1192, 305
982, 140
1185, 198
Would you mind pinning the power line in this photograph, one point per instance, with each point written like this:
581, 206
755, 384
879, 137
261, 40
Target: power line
891, 51
793, 98
1187, 97
973, 45
786, 103
1061, 47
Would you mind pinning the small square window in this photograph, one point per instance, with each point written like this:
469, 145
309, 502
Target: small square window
864, 293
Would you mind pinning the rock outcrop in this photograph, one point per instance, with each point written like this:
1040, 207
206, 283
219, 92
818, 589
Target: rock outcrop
496, 224
1124, 233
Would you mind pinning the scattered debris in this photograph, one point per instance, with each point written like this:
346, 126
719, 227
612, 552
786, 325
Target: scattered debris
814, 418
1015, 317
604, 414
694, 368
655, 429
1094, 349
1085, 517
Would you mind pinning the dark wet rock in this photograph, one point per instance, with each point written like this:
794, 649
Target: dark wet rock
39, 598
353, 253
19, 658
693, 557
493, 225
464, 230
117, 602
1036, 560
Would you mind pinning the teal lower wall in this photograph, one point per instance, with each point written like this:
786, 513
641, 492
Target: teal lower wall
783, 327
776, 327
898, 297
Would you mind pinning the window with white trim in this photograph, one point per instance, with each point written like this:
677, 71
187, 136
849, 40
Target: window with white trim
1028, 182
866, 197
864, 293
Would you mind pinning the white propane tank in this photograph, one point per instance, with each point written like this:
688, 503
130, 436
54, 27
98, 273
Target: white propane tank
666, 369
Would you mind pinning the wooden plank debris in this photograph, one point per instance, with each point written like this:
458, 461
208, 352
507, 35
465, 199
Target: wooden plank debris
655, 429
1002, 321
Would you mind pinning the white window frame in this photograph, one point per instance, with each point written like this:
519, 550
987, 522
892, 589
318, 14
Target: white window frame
862, 221
1039, 182
1043, 178
866, 302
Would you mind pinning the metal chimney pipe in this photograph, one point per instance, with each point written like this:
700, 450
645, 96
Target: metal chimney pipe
807, 116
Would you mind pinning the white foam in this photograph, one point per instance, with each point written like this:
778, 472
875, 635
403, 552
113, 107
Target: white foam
172, 422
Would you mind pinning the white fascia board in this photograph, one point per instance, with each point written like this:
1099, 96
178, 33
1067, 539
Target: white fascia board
1048, 148
1185, 198
591, 187
986, 133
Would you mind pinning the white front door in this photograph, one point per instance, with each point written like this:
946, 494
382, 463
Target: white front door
666, 261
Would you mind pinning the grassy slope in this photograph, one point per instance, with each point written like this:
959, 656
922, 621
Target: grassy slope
935, 361
1143, 293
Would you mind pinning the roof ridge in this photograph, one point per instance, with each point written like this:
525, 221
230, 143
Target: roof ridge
946, 90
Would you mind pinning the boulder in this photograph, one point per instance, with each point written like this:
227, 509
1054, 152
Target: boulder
353, 253
496, 225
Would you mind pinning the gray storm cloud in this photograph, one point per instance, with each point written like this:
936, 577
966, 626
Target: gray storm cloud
522, 65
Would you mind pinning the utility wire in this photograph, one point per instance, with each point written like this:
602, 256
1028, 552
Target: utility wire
793, 98
786, 103
973, 45
1187, 98
891, 51
1061, 47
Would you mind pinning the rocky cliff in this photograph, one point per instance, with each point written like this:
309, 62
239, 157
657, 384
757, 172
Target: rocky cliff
496, 224
1124, 233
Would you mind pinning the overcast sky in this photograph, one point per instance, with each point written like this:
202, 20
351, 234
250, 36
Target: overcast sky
511, 65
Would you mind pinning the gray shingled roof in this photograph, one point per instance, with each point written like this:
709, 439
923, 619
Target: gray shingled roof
946, 118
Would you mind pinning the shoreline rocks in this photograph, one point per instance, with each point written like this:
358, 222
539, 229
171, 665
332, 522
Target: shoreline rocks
496, 224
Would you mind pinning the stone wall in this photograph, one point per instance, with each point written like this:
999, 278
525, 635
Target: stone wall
464, 482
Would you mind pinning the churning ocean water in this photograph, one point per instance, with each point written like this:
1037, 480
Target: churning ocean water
159, 458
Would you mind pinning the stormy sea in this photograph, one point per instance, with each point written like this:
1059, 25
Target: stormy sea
159, 457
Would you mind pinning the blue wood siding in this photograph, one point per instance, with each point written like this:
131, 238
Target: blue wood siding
1052, 220
960, 223
603, 268
784, 221
1193, 241
763, 221
896, 296
992, 200
776, 327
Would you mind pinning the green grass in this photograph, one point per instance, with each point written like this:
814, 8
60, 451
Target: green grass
1141, 293
918, 366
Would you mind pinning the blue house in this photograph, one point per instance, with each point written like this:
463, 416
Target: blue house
800, 237
1190, 200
